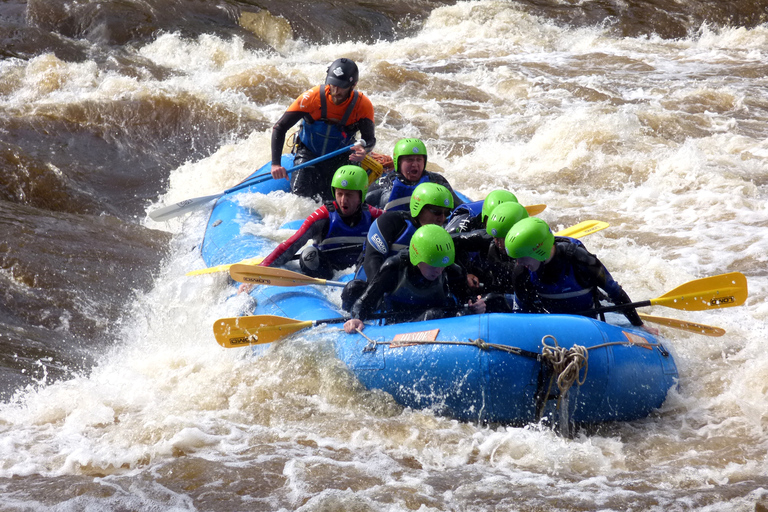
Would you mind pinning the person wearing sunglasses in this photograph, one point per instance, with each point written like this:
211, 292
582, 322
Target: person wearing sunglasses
393, 191
430, 203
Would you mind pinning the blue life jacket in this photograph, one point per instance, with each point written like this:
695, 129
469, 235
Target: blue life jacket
400, 196
381, 245
340, 234
377, 241
565, 294
326, 135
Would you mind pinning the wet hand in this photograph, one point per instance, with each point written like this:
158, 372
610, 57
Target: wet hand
278, 172
649, 329
351, 326
357, 153
245, 288
478, 306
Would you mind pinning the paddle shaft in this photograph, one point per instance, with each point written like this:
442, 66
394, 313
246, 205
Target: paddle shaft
694, 327
260, 178
188, 205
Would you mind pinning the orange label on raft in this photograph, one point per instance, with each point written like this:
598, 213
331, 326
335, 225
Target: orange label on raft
402, 339
637, 340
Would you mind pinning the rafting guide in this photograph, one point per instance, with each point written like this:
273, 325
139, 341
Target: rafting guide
330, 114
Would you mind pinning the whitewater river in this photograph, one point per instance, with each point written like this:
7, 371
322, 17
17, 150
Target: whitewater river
665, 139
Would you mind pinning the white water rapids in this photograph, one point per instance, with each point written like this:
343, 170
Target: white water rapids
665, 140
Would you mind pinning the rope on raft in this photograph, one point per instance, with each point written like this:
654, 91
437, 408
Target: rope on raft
566, 364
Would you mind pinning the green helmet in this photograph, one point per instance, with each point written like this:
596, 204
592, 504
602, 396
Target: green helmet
350, 177
432, 245
430, 193
504, 217
493, 200
405, 147
530, 238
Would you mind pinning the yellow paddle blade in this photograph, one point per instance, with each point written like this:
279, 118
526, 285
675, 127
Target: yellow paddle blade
721, 291
223, 268
706, 330
535, 209
584, 228
273, 276
243, 331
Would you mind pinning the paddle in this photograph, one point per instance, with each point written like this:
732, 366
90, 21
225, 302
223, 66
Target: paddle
259, 329
225, 267
252, 330
188, 205
720, 291
706, 330
535, 209
257, 261
256, 274
584, 228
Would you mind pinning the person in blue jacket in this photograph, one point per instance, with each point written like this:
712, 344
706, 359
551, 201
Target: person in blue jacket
559, 275
393, 191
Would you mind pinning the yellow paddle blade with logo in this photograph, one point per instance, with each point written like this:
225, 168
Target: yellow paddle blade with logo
720, 291
243, 331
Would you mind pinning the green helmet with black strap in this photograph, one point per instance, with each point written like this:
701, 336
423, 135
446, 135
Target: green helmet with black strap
503, 217
530, 238
350, 177
432, 245
406, 147
430, 194
493, 200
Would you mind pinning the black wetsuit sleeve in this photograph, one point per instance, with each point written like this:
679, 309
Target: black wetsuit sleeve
367, 132
279, 130
601, 278
457, 284
590, 271
379, 191
385, 281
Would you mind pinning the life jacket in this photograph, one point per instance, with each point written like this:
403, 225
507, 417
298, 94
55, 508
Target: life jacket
407, 297
400, 196
402, 242
565, 294
325, 135
340, 234
377, 240
461, 217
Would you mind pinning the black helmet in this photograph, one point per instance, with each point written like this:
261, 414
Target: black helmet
342, 73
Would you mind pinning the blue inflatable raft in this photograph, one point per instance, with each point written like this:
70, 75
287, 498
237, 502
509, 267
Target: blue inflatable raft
506, 368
